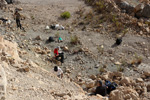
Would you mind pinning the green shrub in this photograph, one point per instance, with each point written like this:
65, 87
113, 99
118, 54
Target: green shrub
66, 15
74, 40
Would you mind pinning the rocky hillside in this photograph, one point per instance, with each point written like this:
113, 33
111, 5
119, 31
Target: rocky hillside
23, 79
89, 46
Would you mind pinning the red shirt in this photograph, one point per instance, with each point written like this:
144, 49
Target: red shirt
56, 52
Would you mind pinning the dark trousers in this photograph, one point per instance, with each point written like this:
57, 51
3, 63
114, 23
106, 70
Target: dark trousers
18, 23
61, 55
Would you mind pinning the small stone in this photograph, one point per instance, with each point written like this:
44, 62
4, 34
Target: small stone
38, 38
65, 48
93, 77
141, 32
47, 28
147, 29
23, 69
146, 73
117, 63
138, 87
112, 58
140, 24
139, 80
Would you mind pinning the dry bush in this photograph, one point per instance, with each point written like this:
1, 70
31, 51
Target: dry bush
57, 35
74, 40
100, 49
100, 6
120, 68
102, 69
89, 15
136, 60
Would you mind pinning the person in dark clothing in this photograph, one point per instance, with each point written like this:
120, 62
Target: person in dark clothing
17, 18
101, 89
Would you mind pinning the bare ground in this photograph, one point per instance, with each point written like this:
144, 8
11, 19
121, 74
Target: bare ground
41, 13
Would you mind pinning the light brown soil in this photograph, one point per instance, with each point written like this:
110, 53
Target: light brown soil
41, 13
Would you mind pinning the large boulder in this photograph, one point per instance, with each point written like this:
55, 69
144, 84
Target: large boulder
145, 12
9, 49
9, 1
125, 80
145, 69
139, 7
90, 83
118, 74
124, 93
126, 6
2, 3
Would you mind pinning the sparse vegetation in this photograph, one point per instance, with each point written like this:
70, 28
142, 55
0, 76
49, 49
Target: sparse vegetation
74, 40
100, 6
80, 11
148, 23
32, 17
100, 49
66, 15
88, 1
102, 69
137, 60
89, 50
119, 26
124, 31
124, 62
89, 15
57, 35
120, 68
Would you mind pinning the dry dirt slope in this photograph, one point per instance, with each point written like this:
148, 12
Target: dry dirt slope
33, 83
38, 16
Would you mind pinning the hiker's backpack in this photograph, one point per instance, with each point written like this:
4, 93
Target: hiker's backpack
113, 85
110, 86
53, 27
118, 41
51, 39
107, 83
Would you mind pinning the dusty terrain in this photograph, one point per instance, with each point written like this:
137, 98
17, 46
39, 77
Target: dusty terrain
38, 14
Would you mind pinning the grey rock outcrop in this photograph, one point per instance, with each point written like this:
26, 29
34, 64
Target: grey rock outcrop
126, 6
145, 12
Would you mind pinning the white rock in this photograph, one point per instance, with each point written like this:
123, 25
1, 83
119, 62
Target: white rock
139, 80
47, 28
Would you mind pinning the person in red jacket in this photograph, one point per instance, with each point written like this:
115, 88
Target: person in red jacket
58, 54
